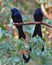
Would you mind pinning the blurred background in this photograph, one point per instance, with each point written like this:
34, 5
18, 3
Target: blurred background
9, 33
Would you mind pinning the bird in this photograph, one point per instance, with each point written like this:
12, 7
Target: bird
38, 17
17, 18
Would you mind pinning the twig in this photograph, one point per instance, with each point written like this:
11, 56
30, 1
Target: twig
43, 23
33, 23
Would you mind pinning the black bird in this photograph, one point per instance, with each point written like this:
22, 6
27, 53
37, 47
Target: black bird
38, 17
17, 18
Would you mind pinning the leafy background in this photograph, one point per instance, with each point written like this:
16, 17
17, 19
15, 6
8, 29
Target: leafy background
10, 45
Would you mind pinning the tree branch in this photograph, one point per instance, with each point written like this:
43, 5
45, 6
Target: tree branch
33, 23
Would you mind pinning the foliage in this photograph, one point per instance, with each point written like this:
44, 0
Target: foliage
10, 46
10, 52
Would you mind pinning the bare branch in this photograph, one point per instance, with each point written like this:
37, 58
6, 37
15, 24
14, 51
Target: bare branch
33, 23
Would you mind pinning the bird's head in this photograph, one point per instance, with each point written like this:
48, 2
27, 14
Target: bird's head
38, 15
14, 10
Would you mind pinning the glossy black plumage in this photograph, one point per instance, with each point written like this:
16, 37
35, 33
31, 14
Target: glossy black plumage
17, 18
38, 17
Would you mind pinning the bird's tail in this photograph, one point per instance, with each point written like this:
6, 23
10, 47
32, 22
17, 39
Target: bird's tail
37, 31
21, 32
42, 48
22, 35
